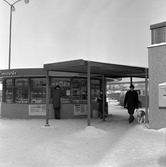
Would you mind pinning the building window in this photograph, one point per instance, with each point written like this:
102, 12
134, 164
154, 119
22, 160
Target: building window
9, 91
159, 35
21, 90
38, 90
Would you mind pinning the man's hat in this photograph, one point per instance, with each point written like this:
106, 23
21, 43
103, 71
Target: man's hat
57, 86
131, 86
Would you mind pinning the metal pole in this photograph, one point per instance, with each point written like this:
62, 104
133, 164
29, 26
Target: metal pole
131, 80
103, 85
10, 26
47, 100
89, 103
10, 30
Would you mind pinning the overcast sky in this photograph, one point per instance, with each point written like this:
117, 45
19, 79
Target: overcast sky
47, 31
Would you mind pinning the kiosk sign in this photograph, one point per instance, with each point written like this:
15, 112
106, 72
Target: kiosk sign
38, 110
8, 73
80, 109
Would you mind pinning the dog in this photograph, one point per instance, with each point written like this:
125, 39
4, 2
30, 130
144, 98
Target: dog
140, 115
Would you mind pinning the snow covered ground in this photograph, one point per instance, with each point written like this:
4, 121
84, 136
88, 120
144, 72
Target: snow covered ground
71, 143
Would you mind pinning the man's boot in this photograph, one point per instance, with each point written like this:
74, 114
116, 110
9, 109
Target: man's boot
131, 118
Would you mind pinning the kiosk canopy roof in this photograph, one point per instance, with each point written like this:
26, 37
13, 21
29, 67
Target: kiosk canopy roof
98, 68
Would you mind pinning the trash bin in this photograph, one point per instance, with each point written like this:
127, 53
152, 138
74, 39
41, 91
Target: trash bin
95, 114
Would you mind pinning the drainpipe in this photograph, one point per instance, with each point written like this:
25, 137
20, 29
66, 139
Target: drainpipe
146, 95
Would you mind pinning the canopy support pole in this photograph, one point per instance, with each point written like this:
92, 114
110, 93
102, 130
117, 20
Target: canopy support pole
103, 85
47, 99
131, 80
89, 92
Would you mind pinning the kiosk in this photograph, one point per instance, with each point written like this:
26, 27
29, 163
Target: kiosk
24, 93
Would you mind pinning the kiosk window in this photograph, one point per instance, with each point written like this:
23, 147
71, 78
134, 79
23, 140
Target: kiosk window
9, 91
95, 88
21, 90
79, 89
38, 90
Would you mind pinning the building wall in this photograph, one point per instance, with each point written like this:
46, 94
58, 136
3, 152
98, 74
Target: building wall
157, 75
21, 111
14, 111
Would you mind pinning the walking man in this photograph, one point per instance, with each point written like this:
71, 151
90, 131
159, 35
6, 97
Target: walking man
131, 102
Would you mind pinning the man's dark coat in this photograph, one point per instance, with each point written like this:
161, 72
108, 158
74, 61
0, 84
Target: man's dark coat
131, 101
100, 100
56, 94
